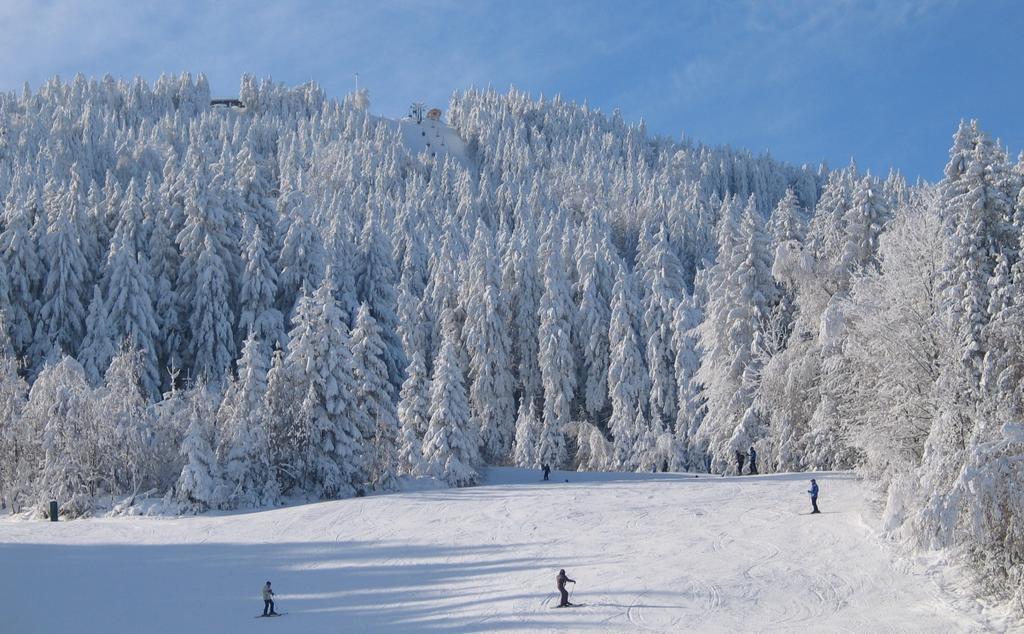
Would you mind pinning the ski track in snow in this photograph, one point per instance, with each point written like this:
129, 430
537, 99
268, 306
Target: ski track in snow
650, 553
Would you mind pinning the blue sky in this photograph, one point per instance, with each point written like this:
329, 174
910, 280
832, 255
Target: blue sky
884, 82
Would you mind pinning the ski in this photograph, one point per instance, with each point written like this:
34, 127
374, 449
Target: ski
571, 605
267, 616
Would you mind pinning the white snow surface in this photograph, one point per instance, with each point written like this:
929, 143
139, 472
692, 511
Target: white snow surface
434, 138
649, 552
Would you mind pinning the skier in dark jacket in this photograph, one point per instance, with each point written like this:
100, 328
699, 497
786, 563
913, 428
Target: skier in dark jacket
814, 497
562, 579
547, 471
740, 457
753, 461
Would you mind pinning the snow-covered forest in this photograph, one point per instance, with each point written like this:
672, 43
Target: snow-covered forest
229, 307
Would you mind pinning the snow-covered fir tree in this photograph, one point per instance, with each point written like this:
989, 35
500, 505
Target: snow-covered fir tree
199, 485
375, 398
258, 288
244, 450
491, 389
554, 356
451, 444
331, 439
413, 416
627, 381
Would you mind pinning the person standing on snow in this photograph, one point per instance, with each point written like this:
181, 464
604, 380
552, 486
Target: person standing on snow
814, 496
740, 457
562, 579
547, 471
268, 601
753, 461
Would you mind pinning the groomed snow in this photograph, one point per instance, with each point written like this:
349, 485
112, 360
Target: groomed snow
650, 552
433, 138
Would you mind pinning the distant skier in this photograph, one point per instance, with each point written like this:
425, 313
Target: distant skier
664, 465
547, 471
753, 461
814, 496
740, 458
562, 579
268, 601
707, 463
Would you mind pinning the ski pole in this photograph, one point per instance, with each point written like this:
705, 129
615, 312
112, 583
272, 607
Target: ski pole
571, 591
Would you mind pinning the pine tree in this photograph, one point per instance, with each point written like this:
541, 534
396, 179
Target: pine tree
627, 381
450, 446
413, 415
65, 429
17, 462
528, 427
128, 305
690, 408
98, 345
593, 322
206, 288
258, 289
375, 283
245, 441
61, 321
124, 403
787, 221
376, 399
281, 417
741, 293
331, 440
661, 276
23, 265
557, 365
863, 225
164, 262
489, 346
301, 259
200, 480
520, 282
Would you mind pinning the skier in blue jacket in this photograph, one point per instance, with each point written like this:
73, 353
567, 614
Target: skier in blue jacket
814, 496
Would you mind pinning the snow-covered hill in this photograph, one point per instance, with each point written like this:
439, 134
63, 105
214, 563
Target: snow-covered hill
433, 138
655, 552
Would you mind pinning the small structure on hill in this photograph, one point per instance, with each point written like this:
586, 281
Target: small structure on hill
434, 114
227, 103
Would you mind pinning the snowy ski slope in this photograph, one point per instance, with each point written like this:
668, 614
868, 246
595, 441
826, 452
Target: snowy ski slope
651, 553
433, 138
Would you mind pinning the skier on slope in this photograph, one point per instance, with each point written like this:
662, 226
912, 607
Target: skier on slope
753, 461
547, 471
268, 601
740, 457
814, 496
562, 579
